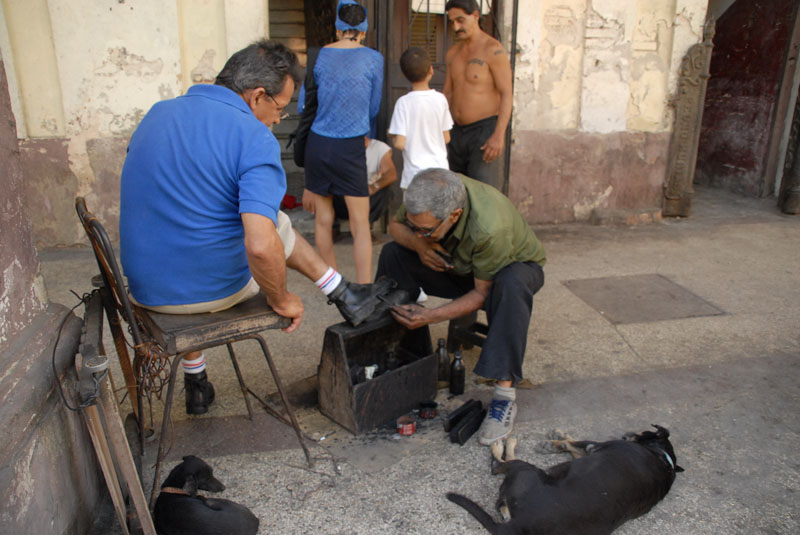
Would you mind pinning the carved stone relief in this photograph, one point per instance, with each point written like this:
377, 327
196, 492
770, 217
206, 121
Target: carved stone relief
689, 102
790, 190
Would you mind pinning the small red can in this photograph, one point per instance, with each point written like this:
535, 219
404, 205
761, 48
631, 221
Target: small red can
406, 425
427, 410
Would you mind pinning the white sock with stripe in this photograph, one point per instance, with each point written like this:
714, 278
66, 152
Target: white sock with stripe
194, 366
329, 281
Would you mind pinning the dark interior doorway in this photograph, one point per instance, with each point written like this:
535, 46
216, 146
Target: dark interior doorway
750, 98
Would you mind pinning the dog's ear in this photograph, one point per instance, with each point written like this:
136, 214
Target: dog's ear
190, 485
661, 432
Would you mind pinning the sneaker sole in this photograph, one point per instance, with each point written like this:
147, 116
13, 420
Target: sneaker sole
486, 442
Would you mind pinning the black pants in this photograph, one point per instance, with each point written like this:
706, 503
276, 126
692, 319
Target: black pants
465, 156
508, 306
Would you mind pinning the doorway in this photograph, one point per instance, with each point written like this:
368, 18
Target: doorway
423, 24
751, 95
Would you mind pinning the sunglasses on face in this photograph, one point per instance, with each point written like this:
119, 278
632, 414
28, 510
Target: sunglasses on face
423, 232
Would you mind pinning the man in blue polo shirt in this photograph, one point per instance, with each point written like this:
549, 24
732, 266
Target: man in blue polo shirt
200, 226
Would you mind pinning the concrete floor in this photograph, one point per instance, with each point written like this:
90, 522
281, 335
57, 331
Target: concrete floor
726, 385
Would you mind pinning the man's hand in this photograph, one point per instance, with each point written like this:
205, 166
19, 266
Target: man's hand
493, 147
289, 307
428, 255
412, 316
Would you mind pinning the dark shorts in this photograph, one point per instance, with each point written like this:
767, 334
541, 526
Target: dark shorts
336, 166
464, 152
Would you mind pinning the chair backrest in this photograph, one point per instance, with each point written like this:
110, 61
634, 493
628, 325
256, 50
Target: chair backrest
109, 269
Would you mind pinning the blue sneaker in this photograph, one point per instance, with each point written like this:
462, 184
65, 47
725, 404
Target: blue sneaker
499, 421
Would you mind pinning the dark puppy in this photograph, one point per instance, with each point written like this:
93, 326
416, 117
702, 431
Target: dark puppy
180, 510
607, 484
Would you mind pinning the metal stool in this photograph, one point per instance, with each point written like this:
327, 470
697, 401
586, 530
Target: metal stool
466, 332
161, 340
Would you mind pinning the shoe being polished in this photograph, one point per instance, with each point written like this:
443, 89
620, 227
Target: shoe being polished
199, 392
393, 297
357, 302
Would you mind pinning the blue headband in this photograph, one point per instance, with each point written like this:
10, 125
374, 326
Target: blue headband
342, 25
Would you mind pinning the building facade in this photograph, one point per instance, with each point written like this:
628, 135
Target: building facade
593, 105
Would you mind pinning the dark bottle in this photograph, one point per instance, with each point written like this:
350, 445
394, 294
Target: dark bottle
443, 372
392, 362
457, 375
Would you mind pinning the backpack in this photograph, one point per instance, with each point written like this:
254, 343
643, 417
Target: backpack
300, 135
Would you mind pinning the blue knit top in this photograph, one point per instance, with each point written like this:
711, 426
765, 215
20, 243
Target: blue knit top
349, 85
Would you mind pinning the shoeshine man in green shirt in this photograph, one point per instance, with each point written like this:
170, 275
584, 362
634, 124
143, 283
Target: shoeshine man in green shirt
460, 239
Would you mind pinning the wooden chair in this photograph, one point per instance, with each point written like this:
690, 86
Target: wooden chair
165, 338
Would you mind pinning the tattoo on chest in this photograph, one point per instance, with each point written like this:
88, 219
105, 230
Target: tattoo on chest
499, 51
476, 61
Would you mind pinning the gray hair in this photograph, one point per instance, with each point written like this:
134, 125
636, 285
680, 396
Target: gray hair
264, 64
438, 191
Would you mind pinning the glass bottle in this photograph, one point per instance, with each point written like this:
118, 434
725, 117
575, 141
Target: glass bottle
457, 374
443, 372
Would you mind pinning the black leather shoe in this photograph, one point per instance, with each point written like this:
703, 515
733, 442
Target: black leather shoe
394, 297
199, 392
357, 302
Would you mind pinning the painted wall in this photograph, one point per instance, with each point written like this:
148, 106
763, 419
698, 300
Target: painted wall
22, 294
592, 112
750, 48
82, 73
591, 122
40, 437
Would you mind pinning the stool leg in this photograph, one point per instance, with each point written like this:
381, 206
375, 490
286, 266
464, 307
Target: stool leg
173, 374
241, 381
137, 365
286, 404
459, 333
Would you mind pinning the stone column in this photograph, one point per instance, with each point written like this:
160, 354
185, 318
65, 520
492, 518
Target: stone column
49, 481
790, 185
689, 103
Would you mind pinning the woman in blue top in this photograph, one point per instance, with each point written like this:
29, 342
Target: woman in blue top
349, 79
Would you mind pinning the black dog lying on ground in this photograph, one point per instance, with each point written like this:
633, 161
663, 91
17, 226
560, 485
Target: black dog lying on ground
179, 510
607, 484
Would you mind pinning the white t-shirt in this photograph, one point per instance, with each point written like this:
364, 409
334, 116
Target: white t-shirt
422, 117
375, 151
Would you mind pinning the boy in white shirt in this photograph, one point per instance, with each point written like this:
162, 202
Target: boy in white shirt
421, 120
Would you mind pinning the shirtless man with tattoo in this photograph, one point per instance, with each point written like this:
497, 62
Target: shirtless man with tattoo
478, 89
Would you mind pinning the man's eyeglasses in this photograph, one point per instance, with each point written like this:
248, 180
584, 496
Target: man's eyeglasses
284, 114
423, 232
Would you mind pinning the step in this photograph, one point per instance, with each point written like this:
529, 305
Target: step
294, 184
287, 16
283, 5
289, 30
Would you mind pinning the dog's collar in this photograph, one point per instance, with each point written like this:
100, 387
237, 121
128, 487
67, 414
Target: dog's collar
669, 459
174, 490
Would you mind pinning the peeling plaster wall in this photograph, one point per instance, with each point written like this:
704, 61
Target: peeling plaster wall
108, 61
596, 67
592, 103
49, 478
22, 294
